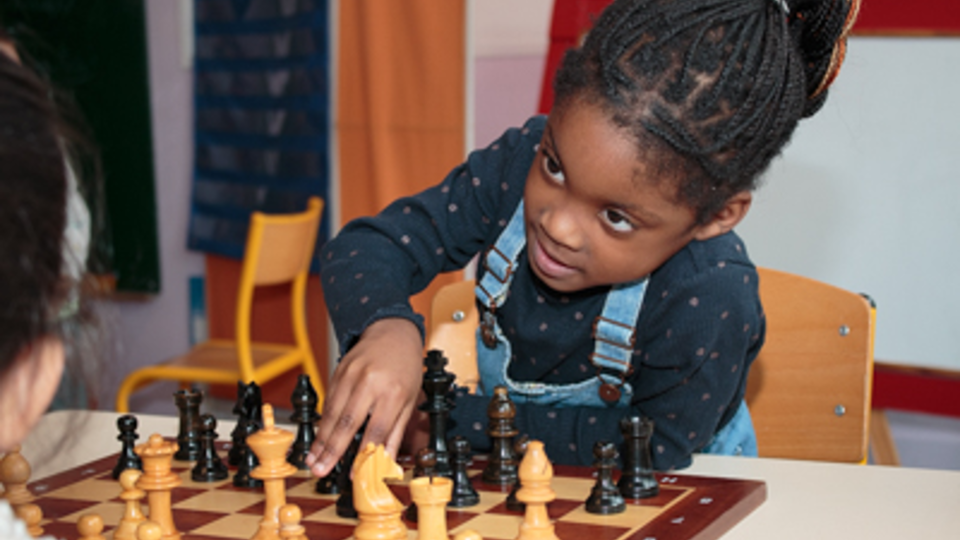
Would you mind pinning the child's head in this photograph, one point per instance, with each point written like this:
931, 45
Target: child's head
720, 83
33, 284
662, 122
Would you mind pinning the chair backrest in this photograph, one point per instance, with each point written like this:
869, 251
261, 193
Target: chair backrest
809, 389
453, 325
279, 250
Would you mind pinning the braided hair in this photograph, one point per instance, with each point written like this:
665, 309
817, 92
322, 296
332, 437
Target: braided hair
711, 89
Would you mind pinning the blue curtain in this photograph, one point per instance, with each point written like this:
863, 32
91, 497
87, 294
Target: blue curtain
261, 116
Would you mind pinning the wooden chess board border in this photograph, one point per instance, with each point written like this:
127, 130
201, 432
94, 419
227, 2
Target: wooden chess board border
690, 507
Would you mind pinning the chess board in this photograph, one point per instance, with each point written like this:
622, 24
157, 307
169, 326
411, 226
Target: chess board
687, 508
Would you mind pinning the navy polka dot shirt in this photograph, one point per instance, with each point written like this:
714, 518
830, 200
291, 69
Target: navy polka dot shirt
700, 328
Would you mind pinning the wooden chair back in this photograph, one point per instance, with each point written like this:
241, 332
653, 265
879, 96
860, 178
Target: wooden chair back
809, 389
453, 324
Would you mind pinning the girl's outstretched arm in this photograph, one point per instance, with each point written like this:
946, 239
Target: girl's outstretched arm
380, 377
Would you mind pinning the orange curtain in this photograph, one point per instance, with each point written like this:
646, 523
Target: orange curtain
400, 94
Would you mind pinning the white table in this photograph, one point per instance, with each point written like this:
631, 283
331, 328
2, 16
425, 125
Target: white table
805, 500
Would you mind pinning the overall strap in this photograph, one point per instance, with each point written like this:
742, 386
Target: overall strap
500, 262
614, 331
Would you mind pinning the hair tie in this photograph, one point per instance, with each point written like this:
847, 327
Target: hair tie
839, 51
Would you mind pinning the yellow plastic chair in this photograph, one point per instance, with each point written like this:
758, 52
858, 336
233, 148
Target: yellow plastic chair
278, 251
808, 391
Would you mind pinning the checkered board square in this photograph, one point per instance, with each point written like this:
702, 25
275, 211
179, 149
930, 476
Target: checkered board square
687, 508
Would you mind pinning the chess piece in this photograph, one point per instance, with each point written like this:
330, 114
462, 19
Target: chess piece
271, 445
464, 494
377, 508
131, 496
424, 466
188, 438
290, 527
605, 498
519, 449
238, 436
209, 468
637, 480
535, 474
501, 468
127, 425
329, 484
248, 460
431, 494
31, 515
248, 409
149, 530
90, 527
158, 480
15, 473
437, 383
304, 400
345, 508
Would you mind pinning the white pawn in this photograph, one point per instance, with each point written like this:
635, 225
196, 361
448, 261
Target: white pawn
149, 530
90, 527
15, 473
290, 527
31, 515
132, 512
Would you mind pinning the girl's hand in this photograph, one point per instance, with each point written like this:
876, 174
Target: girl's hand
379, 377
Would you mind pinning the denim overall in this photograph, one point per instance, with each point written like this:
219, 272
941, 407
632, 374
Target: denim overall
612, 354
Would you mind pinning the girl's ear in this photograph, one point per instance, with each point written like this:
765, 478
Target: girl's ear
727, 218
27, 387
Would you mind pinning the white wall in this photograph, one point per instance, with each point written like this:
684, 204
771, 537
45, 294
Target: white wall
152, 329
864, 197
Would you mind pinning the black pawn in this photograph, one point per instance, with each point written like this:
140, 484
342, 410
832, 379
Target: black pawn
248, 461
188, 438
519, 448
425, 464
501, 469
209, 468
345, 508
637, 480
127, 424
304, 400
329, 484
605, 498
464, 494
437, 383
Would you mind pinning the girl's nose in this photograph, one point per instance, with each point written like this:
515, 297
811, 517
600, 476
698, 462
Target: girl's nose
561, 226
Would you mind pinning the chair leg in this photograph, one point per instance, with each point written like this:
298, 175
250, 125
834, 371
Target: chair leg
883, 448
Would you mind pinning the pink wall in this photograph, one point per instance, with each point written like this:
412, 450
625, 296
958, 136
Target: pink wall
151, 329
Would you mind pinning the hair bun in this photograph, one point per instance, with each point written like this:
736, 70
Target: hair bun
820, 29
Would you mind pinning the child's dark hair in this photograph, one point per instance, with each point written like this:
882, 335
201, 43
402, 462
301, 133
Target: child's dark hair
723, 83
33, 186
38, 296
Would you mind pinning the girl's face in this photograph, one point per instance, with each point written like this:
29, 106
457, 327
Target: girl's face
594, 214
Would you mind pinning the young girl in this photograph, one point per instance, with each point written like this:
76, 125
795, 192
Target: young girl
611, 282
40, 270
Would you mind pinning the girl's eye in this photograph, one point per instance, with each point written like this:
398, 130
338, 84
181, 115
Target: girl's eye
553, 169
617, 220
